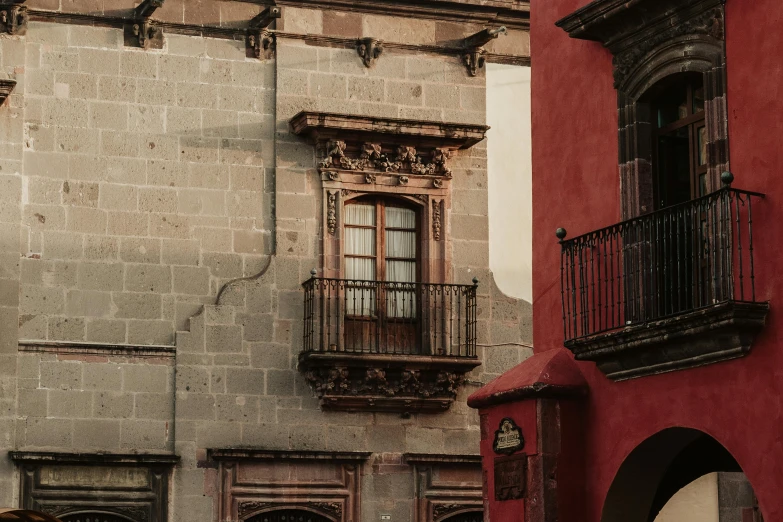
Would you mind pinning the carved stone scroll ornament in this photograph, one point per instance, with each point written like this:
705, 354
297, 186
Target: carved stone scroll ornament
249, 507
436, 220
440, 510
369, 50
331, 211
371, 157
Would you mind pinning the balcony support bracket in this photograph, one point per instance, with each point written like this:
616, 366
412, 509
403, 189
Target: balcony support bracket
712, 334
384, 382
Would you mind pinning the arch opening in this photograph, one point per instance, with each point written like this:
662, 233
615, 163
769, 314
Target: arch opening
680, 474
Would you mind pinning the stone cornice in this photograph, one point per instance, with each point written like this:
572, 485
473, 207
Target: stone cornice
141, 459
323, 126
260, 454
610, 21
512, 13
438, 458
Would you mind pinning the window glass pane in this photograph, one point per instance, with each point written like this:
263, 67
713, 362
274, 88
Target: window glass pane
400, 243
402, 271
401, 303
401, 299
702, 132
397, 217
360, 214
360, 268
360, 301
702, 184
698, 100
673, 105
360, 241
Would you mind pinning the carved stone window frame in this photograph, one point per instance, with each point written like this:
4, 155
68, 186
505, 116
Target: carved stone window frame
651, 40
137, 502
244, 495
439, 500
396, 158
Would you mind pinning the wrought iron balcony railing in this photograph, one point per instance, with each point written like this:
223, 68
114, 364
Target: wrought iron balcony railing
673, 261
381, 317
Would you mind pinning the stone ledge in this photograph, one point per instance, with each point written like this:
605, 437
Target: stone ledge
323, 126
140, 459
389, 383
97, 349
260, 454
716, 333
437, 458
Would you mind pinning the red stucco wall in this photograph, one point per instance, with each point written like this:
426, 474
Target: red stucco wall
576, 186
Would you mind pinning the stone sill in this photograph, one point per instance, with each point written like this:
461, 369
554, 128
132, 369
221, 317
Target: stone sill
323, 126
92, 459
382, 382
712, 334
234, 454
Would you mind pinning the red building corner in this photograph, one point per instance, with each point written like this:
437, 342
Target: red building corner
655, 150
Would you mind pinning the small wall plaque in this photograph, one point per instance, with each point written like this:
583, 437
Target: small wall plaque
510, 477
508, 438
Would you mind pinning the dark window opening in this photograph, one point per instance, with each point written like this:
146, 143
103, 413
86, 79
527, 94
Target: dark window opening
679, 139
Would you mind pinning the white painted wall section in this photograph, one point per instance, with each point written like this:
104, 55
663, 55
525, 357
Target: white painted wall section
510, 179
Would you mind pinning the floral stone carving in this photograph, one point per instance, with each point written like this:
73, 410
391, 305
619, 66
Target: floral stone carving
371, 156
377, 382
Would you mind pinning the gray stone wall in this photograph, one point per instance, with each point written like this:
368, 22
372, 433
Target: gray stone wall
137, 185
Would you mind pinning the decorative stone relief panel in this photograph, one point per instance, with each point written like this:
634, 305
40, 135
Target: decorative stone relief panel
448, 487
80, 486
256, 482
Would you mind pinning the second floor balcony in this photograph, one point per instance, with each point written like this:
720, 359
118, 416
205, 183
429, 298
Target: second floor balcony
668, 290
390, 346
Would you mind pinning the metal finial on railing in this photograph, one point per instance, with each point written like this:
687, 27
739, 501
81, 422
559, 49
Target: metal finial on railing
561, 233
313, 272
475, 281
727, 178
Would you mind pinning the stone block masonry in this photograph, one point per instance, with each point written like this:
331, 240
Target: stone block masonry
136, 186
129, 157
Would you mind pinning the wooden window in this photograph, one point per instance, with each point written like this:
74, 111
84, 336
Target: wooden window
381, 245
679, 138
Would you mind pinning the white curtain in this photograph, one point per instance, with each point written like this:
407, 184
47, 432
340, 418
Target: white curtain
397, 217
360, 242
401, 244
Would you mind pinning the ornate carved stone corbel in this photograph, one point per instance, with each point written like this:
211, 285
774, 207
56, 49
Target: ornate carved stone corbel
143, 32
474, 48
260, 41
369, 50
13, 19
